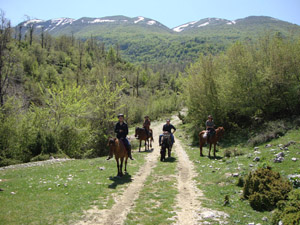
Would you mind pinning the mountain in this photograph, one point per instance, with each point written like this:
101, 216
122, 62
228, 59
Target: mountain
66, 26
143, 39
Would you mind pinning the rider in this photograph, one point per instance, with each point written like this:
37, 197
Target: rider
168, 128
121, 129
210, 127
146, 125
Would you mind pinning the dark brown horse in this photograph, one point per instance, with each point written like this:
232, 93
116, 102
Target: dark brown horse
141, 134
212, 140
117, 148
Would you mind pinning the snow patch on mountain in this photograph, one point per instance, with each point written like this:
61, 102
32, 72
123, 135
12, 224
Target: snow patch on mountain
151, 22
203, 24
101, 21
181, 27
32, 21
140, 18
231, 22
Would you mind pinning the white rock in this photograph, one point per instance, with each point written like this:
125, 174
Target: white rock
256, 159
252, 223
286, 148
235, 174
49, 189
268, 146
265, 218
13, 193
280, 223
257, 152
294, 159
280, 145
256, 148
251, 165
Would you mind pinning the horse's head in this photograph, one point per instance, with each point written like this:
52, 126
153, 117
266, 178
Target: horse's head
111, 142
220, 131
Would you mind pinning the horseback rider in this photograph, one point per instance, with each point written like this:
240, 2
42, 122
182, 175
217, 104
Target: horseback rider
168, 127
210, 127
146, 125
121, 129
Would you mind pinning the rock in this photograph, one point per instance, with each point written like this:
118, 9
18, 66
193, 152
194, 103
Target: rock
58, 185
65, 184
1, 189
272, 150
256, 159
265, 218
251, 165
235, 174
249, 155
286, 148
268, 146
207, 215
210, 166
257, 152
278, 159
280, 223
49, 189
102, 168
289, 143
252, 223
51, 157
256, 148
294, 159
280, 145
280, 154
13, 193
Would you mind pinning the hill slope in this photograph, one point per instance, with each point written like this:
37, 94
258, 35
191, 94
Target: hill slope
146, 40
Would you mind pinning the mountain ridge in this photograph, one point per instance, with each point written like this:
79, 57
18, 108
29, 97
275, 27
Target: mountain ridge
58, 23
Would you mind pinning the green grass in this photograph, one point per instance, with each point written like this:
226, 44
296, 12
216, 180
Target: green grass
59, 193
215, 174
156, 201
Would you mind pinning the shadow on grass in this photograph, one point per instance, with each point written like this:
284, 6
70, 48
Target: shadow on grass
146, 151
120, 180
170, 160
217, 157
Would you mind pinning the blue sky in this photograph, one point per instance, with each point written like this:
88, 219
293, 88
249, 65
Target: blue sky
169, 12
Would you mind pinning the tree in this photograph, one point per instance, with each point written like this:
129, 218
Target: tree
6, 60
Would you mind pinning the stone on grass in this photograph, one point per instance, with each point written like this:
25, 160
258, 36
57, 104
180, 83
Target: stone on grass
280, 154
251, 165
1, 189
256, 148
13, 193
102, 168
294, 159
265, 218
278, 159
256, 159
49, 189
280, 145
235, 174
252, 223
268, 146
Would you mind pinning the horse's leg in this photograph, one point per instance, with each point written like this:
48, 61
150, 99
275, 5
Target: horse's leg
140, 145
201, 146
117, 159
215, 149
126, 164
121, 166
209, 150
145, 144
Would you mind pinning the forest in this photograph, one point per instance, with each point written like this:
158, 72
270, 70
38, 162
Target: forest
60, 95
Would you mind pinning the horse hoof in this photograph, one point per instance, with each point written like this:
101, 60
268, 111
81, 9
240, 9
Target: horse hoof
202, 155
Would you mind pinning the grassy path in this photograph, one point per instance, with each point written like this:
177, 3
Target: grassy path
117, 214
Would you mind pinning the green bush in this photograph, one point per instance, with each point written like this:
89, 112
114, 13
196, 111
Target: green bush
264, 188
227, 153
288, 211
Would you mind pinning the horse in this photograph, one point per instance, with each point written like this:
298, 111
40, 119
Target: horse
166, 143
117, 147
212, 140
141, 134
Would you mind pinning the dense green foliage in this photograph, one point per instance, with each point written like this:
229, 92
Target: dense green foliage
62, 95
288, 211
247, 85
264, 188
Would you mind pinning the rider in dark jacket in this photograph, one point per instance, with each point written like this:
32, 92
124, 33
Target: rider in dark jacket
168, 127
121, 129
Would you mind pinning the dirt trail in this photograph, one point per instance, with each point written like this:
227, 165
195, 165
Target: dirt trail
189, 196
117, 214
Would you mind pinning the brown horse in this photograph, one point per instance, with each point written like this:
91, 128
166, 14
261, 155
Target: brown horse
141, 134
212, 140
117, 147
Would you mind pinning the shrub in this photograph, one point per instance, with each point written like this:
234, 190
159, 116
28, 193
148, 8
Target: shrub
240, 182
227, 153
288, 211
264, 188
